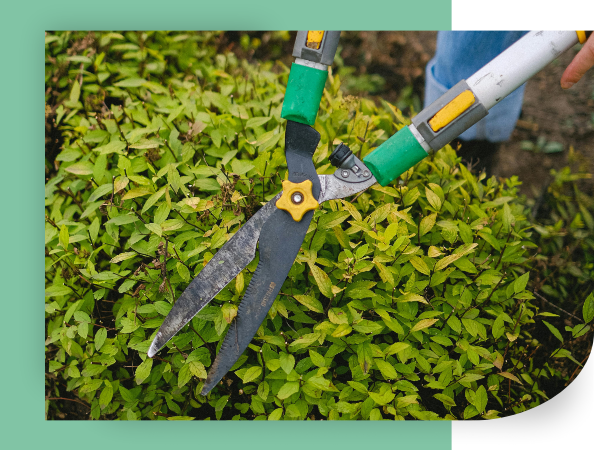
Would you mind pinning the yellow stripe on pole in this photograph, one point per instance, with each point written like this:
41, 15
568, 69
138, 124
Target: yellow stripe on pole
581, 35
452, 110
314, 38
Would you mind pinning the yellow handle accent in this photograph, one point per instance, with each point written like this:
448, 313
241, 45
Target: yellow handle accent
452, 110
314, 38
297, 199
581, 35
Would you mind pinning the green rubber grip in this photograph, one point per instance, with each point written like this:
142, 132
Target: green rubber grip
395, 156
303, 94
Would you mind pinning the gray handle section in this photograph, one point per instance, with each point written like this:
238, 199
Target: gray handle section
324, 55
468, 118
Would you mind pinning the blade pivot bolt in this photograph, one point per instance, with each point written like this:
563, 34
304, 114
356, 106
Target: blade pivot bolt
297, 199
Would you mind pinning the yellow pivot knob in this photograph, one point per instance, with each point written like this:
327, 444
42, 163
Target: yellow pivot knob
297, 199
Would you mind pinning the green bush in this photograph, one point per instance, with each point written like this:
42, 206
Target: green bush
405, 302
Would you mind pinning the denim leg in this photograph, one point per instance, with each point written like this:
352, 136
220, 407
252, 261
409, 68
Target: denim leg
459, 55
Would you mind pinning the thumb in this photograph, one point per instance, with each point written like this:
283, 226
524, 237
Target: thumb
582, 62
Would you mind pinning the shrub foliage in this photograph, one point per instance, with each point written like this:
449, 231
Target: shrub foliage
405, 302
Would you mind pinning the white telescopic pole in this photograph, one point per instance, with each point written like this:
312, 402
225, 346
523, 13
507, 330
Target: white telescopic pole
518, 63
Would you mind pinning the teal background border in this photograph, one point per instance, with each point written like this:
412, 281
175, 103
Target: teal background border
22, 140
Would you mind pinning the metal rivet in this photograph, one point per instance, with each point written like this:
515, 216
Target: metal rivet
366, 173
345, 173
297, 198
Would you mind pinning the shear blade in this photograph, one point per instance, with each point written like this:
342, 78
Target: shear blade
230, 260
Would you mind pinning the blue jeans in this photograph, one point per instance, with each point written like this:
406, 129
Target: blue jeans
459, 55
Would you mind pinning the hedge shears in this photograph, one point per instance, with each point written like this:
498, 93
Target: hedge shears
280, 226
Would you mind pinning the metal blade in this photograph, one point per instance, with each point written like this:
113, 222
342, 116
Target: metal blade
279, 243
230, 260
332, 187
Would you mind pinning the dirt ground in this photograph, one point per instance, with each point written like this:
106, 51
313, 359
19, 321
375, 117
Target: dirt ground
549, 113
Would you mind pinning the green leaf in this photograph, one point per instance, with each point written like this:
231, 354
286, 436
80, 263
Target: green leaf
386, 369
111, 147
241, 167
287, 362
143, 371
317, 359
220, 405
139, 191
508, 219
185, 375
454, 323
422, 324
57, 291
131, 82
433, 199
322, 280
554, 331
481, 399
155, 228
99, 338
153, 199
427, 224
498, 327
310, 302
446, 400
197, 369
420, 265
75, 92
63, 237
100, 191
276, 414
470, 411
521, 282
588, 308
106, 396
396, 347
123, 257
288, 389
252, 374
510, 376
263, 390
81, 168
342, 330
93, 370
257, 121
411, 196
382, 398
93, 229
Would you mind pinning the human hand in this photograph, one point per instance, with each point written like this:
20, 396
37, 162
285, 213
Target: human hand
582, 62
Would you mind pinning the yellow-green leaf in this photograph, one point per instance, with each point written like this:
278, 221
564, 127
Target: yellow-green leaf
81, 168
197, 369
123, 257
251, 374
139, 191
510, 376
322, 280
342, 330
422, 324
427, 224
310, 302
420, 265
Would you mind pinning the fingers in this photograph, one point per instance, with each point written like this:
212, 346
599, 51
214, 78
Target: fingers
582, 62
